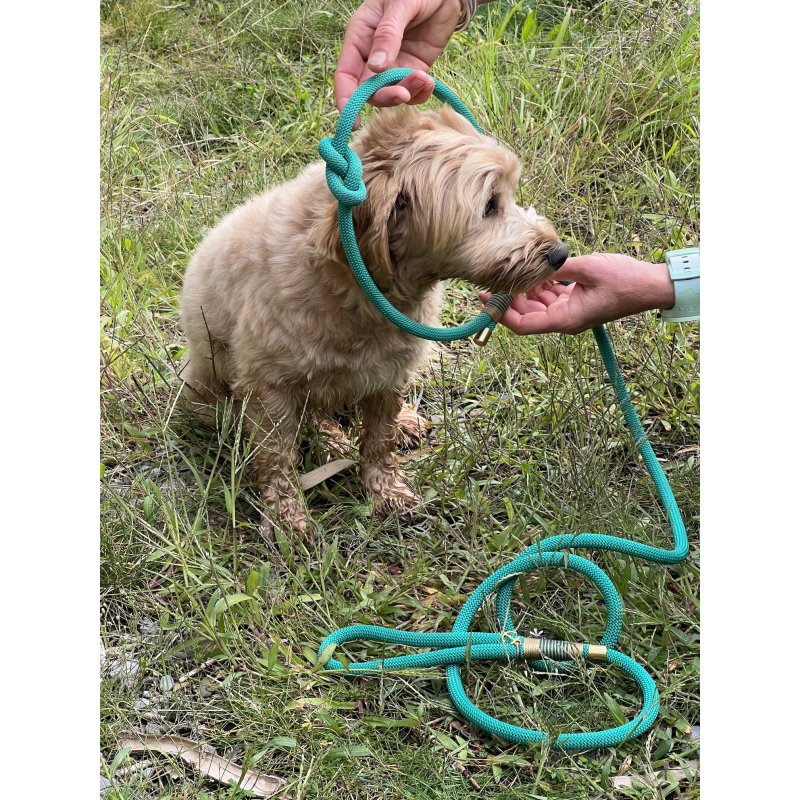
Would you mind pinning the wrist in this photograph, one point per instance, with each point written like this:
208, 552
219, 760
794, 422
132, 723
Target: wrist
663, 287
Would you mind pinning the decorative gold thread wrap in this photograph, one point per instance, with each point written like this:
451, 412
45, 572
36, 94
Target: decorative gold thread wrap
530, 649
493, 311
537, 649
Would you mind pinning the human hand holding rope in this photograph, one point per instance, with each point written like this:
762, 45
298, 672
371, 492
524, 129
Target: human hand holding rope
395, 33
606, 287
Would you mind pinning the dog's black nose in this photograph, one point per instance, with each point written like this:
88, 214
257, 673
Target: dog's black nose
557, 255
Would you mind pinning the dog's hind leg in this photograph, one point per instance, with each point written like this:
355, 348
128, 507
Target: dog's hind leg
273, 417
381, 475
413, 426
334, 440
205, 376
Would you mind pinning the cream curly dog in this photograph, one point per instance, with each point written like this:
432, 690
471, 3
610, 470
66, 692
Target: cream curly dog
275, 318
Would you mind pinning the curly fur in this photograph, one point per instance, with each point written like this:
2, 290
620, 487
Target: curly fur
274, 316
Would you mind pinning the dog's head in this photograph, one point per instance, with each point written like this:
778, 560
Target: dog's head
440, 204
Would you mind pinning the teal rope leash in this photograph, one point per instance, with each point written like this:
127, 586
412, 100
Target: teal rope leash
343, 174
542, 654
343, 171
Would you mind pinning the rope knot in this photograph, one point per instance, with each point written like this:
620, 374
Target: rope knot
343, 173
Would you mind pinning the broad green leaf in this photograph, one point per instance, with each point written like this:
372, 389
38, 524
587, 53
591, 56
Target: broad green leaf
562, 32
228, 602
348, 751
281, 742
604, 773
662, 749
530, 25
445, 740
614, 708
504, 24
118, 759
385, 722
326, 655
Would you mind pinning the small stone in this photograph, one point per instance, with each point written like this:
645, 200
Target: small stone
695, 734
149, 628
437, 419
145, 694
140, 704
477, 412
105, 785
124, 670
166, 683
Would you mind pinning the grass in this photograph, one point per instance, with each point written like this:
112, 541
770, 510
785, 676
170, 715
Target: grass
204, 104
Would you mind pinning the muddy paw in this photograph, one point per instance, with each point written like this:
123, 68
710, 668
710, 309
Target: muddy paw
290, 515
400, 500
413, 427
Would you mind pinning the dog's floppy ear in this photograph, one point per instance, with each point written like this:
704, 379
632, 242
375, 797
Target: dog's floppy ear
327, 239
373, 221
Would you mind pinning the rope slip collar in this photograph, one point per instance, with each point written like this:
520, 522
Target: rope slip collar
460, 646
343, 173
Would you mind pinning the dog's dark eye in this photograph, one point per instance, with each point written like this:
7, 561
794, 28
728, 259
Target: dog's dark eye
491, 207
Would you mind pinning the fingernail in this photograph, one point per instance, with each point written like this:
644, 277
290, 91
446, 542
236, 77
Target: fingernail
377, 59
417, 83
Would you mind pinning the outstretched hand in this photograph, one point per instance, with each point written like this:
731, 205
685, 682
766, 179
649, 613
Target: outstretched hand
606, 287
394, 33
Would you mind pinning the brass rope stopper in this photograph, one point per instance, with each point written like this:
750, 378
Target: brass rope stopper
496, 306
538, 649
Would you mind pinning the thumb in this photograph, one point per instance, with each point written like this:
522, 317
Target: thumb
580, 269
389, 35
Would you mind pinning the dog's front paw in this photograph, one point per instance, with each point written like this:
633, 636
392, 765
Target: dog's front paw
391, 492
413, 426
289, 514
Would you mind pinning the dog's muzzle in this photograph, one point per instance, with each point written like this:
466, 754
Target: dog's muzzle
557, 255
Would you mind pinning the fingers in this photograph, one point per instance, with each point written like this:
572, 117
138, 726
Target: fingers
350, 65
521, 305
526, 324
527, 316
415, 89
389, 35
420, 87
390, 96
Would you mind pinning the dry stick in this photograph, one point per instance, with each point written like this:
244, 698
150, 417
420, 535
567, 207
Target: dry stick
182, 682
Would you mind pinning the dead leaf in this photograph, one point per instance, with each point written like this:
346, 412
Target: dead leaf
673, 665
642, 780
203, 759
417, 454
311, 479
